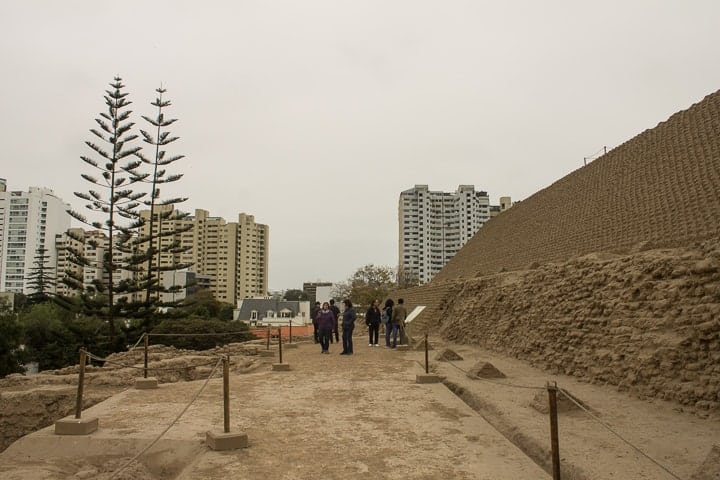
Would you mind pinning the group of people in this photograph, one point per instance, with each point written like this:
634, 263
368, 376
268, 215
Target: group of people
325, 323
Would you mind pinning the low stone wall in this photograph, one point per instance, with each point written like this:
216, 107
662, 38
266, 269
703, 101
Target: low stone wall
648, 323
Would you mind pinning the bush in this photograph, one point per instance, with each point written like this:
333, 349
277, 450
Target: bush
194, 328
11, 357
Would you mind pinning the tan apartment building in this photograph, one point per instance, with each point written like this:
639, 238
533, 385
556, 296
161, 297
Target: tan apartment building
232, 255
92, 244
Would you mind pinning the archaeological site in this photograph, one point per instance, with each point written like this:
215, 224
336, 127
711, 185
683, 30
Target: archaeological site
602, 289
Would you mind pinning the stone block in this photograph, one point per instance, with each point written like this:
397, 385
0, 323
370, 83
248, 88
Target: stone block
76, 426
226, 441
427, 378
281, 367
146, 383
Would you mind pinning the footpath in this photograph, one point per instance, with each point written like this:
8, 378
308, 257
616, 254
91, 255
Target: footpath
329, 417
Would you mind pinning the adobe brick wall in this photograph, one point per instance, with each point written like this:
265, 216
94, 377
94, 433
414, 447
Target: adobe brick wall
610, 274
648, 323
661, 188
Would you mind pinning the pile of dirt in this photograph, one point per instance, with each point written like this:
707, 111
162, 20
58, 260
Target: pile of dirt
448, 355
710, 469
484, 370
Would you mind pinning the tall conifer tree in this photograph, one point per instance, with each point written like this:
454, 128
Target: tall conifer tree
110, 194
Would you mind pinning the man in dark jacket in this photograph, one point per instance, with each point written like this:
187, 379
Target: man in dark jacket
399, 315
336, 312
313, 315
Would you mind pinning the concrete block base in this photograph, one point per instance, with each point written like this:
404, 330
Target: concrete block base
146, 383
427, 378
226, 441
281, 367
76, 426
267, 353
289, 346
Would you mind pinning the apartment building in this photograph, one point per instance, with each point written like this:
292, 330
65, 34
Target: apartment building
434, 226
233, 256
92, 246
29, 222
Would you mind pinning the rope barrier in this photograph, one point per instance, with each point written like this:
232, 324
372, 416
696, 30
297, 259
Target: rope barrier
207, 380
569, 397
197, 335
504, 384
111, 362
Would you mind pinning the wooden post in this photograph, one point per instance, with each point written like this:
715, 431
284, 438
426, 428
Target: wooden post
268, 338
81, 381
280, 343
554, 442
290, 322
226, 393
145, 369
427, 364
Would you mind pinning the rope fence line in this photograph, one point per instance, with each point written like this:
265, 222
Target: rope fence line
504, 384
584, 409
157, 439
134, 347
637, 449
111, 362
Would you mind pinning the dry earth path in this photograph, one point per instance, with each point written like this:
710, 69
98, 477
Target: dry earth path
331, 417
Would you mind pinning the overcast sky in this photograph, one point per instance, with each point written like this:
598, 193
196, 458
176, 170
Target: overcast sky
314, 115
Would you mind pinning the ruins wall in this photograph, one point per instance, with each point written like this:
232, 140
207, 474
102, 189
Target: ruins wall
648, 323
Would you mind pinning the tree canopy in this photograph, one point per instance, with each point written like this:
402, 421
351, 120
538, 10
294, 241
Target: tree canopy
368, 283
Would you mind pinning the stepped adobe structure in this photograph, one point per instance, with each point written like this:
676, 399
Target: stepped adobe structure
611, 274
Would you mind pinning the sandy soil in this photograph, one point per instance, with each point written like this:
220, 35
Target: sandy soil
363, 416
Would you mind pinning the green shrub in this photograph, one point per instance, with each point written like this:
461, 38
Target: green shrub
195, 332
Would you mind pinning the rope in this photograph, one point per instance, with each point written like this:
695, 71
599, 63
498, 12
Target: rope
117, 472
216, 334
569, 397
513, 385
95, 357
138, 342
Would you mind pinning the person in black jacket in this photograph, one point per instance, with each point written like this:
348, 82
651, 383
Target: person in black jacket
372, 320
336, 312
385, 319
313, 315
348, 324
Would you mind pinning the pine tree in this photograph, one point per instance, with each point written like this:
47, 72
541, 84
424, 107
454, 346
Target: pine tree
40, 279
110, 196
152, 243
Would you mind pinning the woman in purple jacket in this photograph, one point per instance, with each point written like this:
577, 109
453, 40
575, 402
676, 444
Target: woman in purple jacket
325, 322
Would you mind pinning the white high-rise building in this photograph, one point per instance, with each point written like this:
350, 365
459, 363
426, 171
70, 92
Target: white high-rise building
434, 226
29, 222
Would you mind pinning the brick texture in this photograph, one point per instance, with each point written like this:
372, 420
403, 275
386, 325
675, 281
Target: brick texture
610, 274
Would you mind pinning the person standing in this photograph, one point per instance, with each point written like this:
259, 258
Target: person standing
348, 324
336, 312
313, 316
385, 318
372, 320
325, 322
399, 315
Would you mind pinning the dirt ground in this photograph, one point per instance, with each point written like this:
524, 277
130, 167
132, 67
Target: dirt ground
363, 416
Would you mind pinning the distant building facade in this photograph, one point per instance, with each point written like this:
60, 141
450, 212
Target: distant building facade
318, 291
270, 311
29, 222
434, 225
